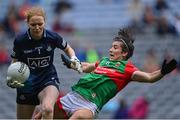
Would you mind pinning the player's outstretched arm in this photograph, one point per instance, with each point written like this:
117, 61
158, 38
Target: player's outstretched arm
86, 67
75, 62
166, 68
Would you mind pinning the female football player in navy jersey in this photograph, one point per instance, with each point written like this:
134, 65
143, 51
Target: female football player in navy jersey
36, 48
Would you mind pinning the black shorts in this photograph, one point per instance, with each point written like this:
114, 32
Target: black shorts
31, 98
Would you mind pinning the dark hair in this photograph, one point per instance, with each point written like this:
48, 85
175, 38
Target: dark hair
125, 36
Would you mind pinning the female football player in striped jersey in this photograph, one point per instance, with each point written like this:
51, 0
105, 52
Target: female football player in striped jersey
104, 80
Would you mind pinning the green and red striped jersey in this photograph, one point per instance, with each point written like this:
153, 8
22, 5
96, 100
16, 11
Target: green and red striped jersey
105, 81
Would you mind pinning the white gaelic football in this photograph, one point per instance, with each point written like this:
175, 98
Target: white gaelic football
18, 71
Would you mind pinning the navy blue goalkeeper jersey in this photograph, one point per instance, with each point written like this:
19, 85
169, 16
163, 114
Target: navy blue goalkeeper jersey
38, 55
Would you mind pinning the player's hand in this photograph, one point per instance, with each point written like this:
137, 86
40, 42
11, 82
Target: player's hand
168, 67
13, 83
72, 63
76, 64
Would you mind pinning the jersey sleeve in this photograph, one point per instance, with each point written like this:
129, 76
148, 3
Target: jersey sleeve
16, 50
60, 42
130, 69
97, 63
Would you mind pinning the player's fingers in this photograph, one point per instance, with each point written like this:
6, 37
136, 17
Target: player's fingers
17, 84
37, 116
13, 82
164, 62
20, 85
79, 68
73, 62
73, 66
173, 62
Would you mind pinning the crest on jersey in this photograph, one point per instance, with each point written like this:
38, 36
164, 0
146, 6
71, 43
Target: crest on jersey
49, 48
118, 64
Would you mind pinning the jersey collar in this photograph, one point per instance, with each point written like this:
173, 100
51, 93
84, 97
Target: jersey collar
29, 36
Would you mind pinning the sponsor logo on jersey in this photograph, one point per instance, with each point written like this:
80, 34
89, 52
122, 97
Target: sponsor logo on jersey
33, 50
93, 95
102, 70
28, 51
38, 62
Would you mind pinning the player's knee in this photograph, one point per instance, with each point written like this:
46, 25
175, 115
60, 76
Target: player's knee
82, 115
47, 109
79, 116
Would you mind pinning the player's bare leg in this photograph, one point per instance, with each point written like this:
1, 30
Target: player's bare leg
48, 98
82, 114
37, 113
58, 114
24, 111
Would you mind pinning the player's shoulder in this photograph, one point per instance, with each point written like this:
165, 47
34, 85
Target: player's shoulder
52, 35
21, 36
104, 59
130, 64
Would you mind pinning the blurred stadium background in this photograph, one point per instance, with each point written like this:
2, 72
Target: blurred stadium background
89, 26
